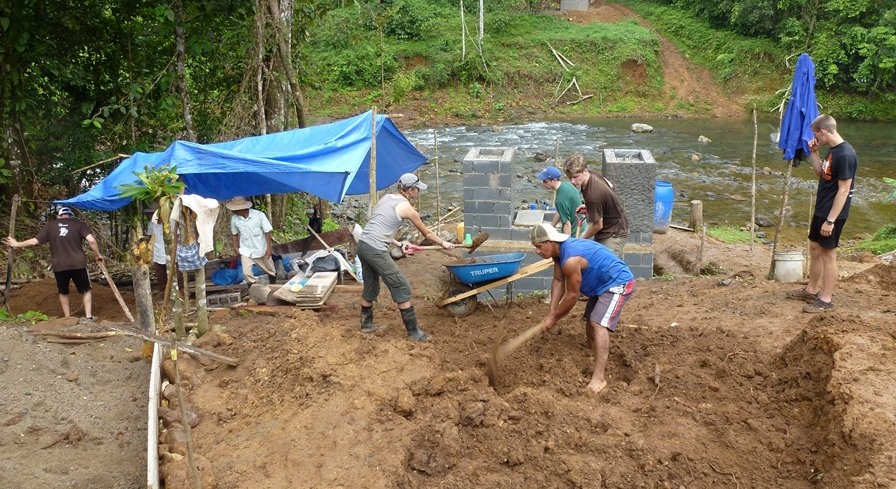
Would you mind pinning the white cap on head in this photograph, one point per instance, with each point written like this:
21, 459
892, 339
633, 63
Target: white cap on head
63, 211
545, 232
409, 180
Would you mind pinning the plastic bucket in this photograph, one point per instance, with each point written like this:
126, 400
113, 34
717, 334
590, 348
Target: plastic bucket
663, 198
789, 266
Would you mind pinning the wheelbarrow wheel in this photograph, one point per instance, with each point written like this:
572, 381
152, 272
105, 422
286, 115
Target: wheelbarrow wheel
463, 307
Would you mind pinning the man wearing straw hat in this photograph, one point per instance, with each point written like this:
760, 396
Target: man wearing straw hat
251, 235
69, 261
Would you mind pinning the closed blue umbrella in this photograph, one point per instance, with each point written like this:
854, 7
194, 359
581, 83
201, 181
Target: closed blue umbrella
802, 109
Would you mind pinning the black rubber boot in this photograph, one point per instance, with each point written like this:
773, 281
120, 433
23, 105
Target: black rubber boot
409, 316
367, 325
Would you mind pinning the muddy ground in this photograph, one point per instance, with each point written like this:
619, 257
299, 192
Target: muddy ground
715, 381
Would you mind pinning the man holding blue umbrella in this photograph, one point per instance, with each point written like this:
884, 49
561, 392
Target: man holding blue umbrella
836, 184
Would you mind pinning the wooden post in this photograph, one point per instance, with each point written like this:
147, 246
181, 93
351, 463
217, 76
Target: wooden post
10, 254
753, 190
771, 269
372, 166
435, 141
695, 221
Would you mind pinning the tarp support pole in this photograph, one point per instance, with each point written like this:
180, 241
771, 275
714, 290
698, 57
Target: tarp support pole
373, 198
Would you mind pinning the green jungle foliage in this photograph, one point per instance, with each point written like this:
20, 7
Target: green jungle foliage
853, 42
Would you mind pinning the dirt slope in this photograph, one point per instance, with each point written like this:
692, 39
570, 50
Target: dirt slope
685, 83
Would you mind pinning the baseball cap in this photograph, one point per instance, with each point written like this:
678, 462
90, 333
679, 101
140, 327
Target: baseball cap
64, 210
545, 232
409, 180
549, 173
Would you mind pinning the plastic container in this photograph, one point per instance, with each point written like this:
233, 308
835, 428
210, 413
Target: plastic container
664, 197
789, 266
460, 232
468, 240
358, 269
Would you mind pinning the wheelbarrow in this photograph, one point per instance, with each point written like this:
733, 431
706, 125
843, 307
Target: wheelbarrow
469, 278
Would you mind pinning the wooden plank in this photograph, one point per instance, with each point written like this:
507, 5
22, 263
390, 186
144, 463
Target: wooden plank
310, 291
523, 272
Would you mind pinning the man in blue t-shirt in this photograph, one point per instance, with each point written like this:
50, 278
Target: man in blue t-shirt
836, 184
590, 268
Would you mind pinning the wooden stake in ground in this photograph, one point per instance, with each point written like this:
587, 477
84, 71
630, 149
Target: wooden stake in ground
753, 191
124, 307
10, 254
771, 270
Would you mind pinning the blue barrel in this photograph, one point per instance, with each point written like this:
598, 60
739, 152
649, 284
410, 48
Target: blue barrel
663, 198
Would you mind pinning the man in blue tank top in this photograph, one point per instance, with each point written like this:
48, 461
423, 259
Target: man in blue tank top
590, 268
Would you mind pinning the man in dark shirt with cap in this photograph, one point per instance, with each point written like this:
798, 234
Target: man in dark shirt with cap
69, 261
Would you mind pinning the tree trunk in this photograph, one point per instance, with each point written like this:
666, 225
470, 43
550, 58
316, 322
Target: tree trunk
279, 21
182, 73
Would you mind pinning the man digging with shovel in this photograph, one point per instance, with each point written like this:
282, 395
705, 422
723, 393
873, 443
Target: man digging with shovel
590, 268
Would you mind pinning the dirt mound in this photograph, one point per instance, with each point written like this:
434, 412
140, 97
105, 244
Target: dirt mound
881, 276
714, 382
42, 296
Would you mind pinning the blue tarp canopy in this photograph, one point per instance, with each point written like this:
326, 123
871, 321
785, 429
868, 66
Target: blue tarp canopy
802, 109
329, 161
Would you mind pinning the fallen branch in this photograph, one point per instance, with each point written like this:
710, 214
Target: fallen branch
73, 335
187, 348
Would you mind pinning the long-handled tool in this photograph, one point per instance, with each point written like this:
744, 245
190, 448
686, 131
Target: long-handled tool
124, 307
477, 242
502, 350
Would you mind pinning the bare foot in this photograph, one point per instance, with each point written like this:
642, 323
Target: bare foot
597, 385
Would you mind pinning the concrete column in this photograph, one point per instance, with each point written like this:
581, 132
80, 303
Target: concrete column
488, 195
633, 173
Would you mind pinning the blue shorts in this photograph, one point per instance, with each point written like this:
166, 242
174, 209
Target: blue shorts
78, 276
605, 308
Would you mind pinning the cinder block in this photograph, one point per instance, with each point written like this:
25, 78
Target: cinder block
633, 172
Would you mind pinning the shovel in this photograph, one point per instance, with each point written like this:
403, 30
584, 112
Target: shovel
476, 243
501, 351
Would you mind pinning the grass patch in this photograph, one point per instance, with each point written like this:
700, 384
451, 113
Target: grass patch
729, 234
883, 241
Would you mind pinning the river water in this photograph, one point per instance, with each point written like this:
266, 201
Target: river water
718, 172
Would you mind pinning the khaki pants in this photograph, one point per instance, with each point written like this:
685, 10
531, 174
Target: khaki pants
265, 264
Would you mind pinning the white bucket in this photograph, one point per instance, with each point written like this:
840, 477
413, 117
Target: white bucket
789, 266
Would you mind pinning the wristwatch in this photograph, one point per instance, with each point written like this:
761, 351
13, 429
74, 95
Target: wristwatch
828, 221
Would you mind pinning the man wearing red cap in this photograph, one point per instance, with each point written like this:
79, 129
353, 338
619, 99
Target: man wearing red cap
69, 261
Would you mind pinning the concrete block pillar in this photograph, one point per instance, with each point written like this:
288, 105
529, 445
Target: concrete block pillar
633, 172
488, 196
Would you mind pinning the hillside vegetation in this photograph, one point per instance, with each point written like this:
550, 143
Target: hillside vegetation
410, 53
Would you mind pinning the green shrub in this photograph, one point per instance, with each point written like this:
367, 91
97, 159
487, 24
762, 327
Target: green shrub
883, 241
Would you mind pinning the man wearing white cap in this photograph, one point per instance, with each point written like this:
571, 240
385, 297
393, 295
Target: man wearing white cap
69, 261
251, 236
376, 263
590, 268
